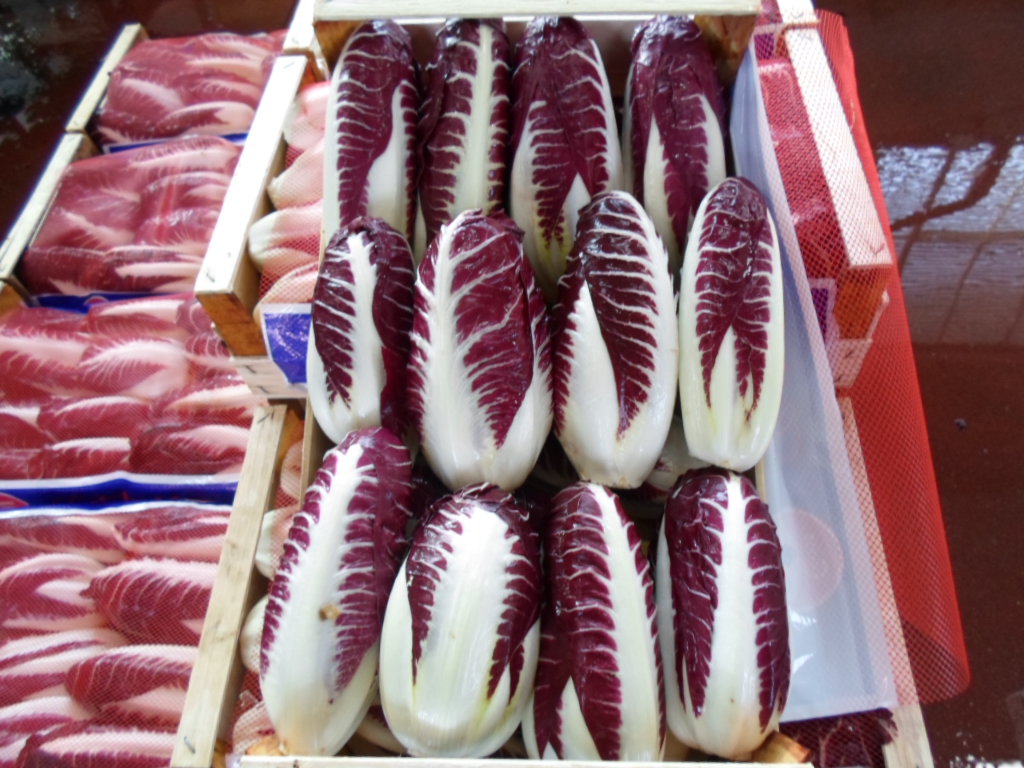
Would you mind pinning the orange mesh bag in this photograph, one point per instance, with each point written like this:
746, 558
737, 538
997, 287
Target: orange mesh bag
824, 179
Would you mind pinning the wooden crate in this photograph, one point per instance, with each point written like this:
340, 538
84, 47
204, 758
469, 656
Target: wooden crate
209, 708
909, 750
228, 283
71, 147
130, 36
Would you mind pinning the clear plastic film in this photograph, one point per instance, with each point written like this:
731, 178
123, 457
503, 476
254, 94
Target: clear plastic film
134, 222
824, 182
837, 637
116, 399
207, 84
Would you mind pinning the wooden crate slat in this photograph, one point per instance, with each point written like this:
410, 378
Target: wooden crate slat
228, 283
250, 761
340, 10
215, 679
73, 146
129, 37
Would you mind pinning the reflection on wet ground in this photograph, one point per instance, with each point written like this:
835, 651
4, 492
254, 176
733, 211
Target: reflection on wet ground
952, 169
958, 221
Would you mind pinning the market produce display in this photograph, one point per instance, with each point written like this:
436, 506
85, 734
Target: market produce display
479, 376
97, 642
673, 122
458, 664
722, 622
359, 337
731, 341
370, 149
616, 353
565, 143
205, 84
140, 386
432, 607
136, 221
319, 653
483, 633
599, 693
464, 123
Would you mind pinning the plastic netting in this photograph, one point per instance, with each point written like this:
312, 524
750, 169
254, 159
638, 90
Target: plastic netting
138, 221
100, 625
284, 245
838, 210
207, 84
142, 386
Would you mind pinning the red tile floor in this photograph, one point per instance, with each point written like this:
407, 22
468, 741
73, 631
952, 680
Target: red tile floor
940, 84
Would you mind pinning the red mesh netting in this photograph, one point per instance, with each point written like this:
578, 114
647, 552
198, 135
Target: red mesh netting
143, 386
100, 617
867, 339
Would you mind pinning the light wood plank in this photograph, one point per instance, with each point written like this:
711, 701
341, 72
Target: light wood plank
215, 679
129, 37
228, 283
301, 38
250, 761
71, 147
338, 10
910, 748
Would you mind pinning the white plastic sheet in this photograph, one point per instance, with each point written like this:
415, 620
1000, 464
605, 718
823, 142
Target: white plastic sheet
838, 643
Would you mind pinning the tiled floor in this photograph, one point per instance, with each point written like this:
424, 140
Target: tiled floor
941, 90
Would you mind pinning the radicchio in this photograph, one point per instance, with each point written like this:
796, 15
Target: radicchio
672, 146
479, 378
370, 145
722, 622
322, 627
564, 139
675, 460
464, 122
616, 345
730, 328
359, 339
462, 628
599, 693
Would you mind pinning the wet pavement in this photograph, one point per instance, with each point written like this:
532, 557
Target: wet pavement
939, 89
941, 94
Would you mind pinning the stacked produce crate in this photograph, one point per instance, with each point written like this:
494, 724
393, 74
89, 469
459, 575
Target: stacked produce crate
115, 388
286, 373
257, 280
